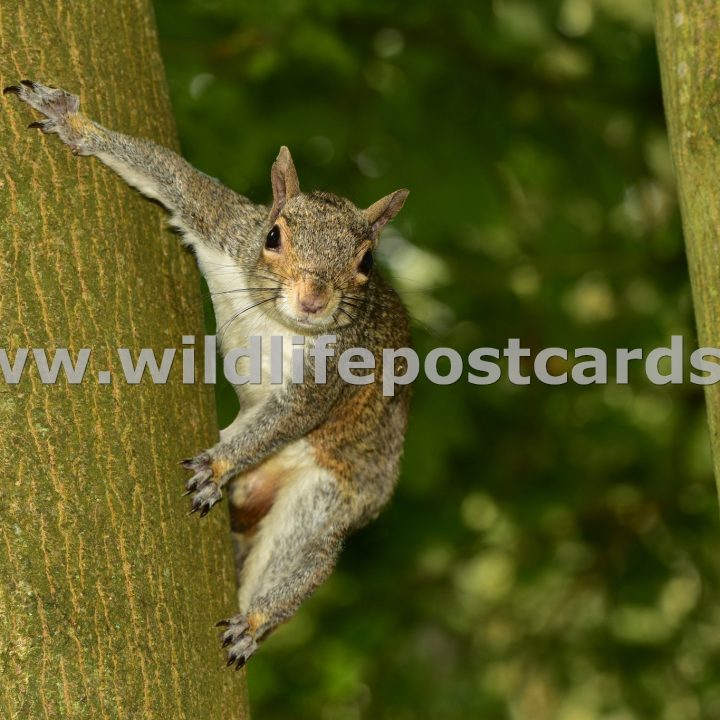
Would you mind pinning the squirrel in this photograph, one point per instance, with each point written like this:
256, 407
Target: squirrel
303, 464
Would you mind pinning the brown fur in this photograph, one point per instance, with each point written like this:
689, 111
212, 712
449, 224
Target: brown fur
260, 489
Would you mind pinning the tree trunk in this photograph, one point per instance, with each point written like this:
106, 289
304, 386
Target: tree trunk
108, 591
688, 39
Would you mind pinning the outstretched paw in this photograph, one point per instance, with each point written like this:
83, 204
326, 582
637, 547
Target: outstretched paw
60, 109
238, 639
206, 491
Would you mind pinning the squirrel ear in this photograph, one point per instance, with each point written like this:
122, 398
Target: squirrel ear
284, 181
384, 210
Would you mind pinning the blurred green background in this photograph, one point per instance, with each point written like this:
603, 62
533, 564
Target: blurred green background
550, 552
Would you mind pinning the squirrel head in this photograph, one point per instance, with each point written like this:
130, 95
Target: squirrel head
317, 252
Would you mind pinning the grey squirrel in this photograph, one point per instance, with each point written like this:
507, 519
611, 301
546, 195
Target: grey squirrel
302, 464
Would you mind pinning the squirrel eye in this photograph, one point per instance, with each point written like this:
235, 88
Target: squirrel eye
366, 263
272, 242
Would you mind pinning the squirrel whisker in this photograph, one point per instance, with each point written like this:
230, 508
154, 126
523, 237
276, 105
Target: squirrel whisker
221, 331
247, 289
345, 312
273, 277
345, 303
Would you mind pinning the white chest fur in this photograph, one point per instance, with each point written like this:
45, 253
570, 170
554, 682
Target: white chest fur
237, 321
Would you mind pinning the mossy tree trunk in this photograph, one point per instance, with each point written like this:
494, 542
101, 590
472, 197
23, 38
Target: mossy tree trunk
108, 591
688, 39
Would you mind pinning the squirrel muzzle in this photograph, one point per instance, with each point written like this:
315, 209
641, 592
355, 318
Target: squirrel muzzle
311, 296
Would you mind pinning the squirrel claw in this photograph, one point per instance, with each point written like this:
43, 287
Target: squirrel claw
196, 463
237, 623
198, 481
206, 496
242, 643
241, 651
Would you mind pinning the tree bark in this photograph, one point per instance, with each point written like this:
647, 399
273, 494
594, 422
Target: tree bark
108, 591
688, 40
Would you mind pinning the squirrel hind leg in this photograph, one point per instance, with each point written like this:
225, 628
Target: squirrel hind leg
241, 549
292, 550
247, 508
250, 498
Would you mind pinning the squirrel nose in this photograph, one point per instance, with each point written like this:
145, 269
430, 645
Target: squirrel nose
312, 294
312, 304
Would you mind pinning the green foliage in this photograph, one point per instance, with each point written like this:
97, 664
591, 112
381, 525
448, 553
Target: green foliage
550, 552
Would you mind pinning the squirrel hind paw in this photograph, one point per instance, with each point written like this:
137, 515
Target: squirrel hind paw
239, 640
